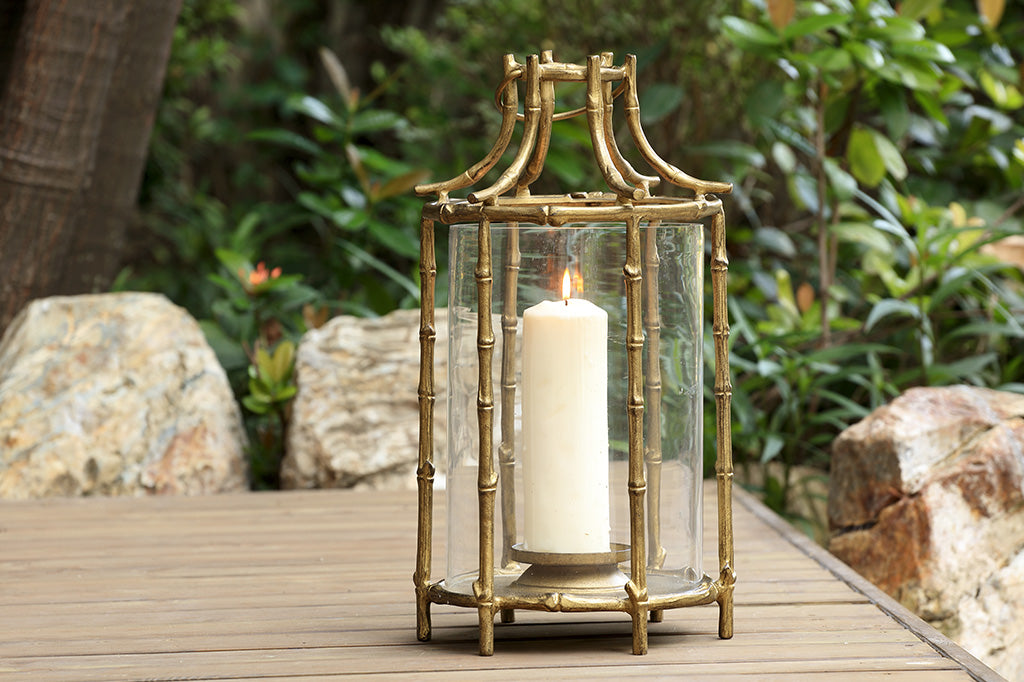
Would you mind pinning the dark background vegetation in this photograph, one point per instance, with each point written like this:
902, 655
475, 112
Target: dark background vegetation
876, 148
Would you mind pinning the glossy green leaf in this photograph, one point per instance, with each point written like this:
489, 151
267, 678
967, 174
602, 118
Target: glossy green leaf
893, 103
932, 106
841, 182
861, 233
658, 101
916, 76
772, 447
898, 29
1004, 95
784, 157
804, 189
776, 241
374, 120
918, 9
732, 149
353, 197
924, 49
315, 109
891, 156
830, 59
281, 362
366, 258
888, 307
747, 35
256, 405
868, 55
393, 238
863, 157
814, 24
286, 138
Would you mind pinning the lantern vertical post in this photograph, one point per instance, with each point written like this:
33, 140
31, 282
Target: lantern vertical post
652, 400
723, 421
426, 397
487, 481
636, 588
507, 449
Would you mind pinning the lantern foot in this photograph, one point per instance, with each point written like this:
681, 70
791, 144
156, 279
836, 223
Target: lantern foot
508, 615
640, 631
422, 616
486, 613
657, 615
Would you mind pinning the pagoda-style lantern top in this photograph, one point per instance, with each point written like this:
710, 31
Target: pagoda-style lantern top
574, 579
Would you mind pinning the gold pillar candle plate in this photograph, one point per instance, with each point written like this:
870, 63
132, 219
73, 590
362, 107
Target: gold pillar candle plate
636, 261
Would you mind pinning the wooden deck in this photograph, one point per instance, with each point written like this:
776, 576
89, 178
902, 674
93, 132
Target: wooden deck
314, 585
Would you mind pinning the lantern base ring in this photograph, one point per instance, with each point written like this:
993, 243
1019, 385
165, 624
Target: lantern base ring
571, 572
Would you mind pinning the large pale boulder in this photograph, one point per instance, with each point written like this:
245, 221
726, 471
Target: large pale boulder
114, 394
355, 418
926, 500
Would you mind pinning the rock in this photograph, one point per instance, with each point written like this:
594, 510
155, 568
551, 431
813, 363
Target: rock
355, 418
926, 500
114, 394
896, 449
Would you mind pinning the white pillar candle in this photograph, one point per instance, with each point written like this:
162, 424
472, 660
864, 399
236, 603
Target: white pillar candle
565, 427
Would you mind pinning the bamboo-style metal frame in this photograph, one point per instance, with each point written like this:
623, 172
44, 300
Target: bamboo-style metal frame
630, 202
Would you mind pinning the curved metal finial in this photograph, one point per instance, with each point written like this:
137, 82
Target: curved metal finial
596, 123
624, 167
663, 168
547, 113
512, 174
509, 107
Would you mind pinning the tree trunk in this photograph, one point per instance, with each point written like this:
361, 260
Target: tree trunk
76, 110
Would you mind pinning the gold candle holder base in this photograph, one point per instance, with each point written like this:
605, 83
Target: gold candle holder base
571, 572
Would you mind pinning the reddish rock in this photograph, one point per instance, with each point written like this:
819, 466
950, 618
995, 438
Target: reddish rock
897, 448
926, 500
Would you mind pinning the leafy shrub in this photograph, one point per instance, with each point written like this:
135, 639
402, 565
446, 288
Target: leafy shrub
899, 149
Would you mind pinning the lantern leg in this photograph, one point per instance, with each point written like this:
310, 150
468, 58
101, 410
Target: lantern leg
486, 612
640, 630
426, 397
725, 609
723, 418
422, 617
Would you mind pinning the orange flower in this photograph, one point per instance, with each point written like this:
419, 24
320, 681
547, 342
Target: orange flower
259, 275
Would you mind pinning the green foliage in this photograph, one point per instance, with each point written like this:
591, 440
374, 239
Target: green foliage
356, 199
885, 132
257, 320
271, 389
876, 149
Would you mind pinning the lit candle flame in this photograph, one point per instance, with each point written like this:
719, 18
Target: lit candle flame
566, 286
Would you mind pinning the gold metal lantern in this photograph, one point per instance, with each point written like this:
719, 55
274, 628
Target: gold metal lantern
579, 489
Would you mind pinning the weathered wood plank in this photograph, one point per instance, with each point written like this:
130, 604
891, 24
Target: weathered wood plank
318, 584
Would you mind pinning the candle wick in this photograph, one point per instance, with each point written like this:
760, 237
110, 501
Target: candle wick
566, 302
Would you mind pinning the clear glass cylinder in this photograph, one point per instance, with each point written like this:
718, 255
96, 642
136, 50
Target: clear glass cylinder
563, 474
